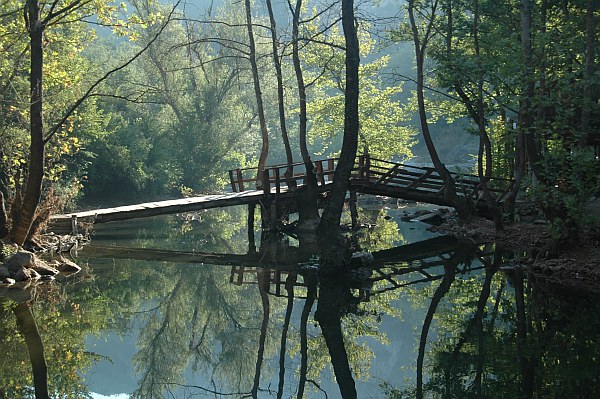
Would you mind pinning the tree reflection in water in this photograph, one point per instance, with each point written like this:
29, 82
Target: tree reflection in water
250, 331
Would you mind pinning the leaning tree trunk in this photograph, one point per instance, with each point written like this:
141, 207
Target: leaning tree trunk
588, 73
28, 327
450, 194
280, 94
3, 217
308, 212
33, 191
329, 227
264, 152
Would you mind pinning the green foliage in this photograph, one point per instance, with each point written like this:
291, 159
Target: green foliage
576, 176
385, 131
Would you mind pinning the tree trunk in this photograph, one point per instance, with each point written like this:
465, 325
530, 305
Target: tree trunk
308, 212
329, 227
264, 152
35, 347
588, 73
485, 147
3, 217
460, 205
333, 297
280, 93
35, 175
526, 110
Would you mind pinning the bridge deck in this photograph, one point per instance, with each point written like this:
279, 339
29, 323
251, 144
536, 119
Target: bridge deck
62, 223
370, 176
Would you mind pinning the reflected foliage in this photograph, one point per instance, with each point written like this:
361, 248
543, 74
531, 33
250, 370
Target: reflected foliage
442, 320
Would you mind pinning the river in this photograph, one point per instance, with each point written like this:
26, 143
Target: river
439, 320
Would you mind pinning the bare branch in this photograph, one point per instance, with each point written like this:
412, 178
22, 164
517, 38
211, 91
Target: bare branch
77, 103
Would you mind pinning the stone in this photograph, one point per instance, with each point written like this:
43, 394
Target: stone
432, 218
25, 273
19, 295
44, 269
4, 273
8, 281
19, 260
66, 266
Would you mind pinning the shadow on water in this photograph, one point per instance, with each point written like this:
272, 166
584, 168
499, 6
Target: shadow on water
437, 318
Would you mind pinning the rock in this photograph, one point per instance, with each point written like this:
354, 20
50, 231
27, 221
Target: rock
432, 218
420, 212
19, 295
44, 269
8, 281
4, 273
65, 265
26, 274
19, 260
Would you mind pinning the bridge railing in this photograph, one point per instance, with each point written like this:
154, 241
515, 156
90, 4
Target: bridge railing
423, 178
274, 177
368, 171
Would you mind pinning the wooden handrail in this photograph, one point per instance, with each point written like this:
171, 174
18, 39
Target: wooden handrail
368, 171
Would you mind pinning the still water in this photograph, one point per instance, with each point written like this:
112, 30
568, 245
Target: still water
429, 318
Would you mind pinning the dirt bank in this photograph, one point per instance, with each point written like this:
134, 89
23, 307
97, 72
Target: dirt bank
576, 265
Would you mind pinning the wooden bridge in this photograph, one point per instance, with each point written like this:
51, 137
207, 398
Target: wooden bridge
370, 176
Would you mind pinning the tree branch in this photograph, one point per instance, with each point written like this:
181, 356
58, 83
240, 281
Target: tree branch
87, 94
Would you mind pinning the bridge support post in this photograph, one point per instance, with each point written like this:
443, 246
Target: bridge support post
251, 240
74, 228
273, 216
353, 210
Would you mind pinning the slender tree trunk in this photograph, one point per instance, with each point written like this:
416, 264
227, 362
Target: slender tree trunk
332, 296
3, 217
280, 93
299, 77
307, 201
263, 285
33, 191
526, 110
461, 206
588, 73
329, 227
264, 152
35, 347
485, 172
311, 294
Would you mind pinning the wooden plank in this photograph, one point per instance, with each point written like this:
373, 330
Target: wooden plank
387, 174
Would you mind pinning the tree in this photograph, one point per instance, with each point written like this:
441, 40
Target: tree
421, 41
329, 226
264, 151
384, 131
38, 18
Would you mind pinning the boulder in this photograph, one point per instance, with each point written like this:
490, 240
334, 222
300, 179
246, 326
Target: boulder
4, 273
19, 295
7, 281
432, 218
66, 266
25, 273
44, 269
20, 260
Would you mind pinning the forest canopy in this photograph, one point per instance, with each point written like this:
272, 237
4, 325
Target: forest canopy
153, 100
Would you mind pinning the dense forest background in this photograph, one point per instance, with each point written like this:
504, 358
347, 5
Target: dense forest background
145, 100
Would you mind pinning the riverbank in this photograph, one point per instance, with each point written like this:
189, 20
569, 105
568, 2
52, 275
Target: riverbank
574, 266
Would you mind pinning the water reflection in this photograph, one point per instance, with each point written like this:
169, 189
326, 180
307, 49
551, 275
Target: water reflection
437, 318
